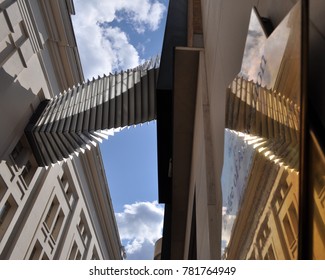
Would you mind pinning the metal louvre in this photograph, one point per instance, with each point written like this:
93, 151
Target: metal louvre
87, 113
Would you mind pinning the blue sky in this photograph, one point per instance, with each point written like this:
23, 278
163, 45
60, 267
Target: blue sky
131, 165
112, 36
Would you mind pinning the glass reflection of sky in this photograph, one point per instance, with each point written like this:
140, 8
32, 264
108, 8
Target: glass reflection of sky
239, 153
263, 56
254, 48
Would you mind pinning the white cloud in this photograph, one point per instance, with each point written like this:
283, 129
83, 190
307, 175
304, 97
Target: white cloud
126, 56
146, 252
145, 14
140, 226
104, 48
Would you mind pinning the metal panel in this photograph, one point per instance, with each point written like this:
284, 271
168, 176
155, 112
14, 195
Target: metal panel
151, 97
99, 102
105, 119
112, 102
144, 98
131, 95
118, 100
125, 100
93, 109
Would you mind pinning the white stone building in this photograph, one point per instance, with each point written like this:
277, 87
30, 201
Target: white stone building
63, 211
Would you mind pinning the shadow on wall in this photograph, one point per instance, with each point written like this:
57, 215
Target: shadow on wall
16, 106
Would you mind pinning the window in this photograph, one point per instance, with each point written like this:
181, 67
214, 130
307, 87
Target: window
57, 225
45, 256
293, 214
288, 230
17, 151
84, 229
269, 254
290, 225
75, 253
281, 194
27, 171
51, 213
263, 234
36, 252
4, 210
252, 256
95, 255
3, 189
54, 219
24, 160
7, 211
68, 188
78, 256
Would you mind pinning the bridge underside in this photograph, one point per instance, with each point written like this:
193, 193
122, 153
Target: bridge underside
84, 115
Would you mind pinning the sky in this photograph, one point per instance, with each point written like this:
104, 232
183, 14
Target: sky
113, 36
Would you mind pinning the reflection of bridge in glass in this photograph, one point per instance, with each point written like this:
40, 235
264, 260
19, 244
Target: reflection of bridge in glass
261, 166
262, 112
87, 113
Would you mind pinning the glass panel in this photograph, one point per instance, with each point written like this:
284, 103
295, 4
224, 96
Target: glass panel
261, 158
317, 177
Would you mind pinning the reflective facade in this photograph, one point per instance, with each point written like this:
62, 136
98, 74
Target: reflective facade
263, 149
264, 163
247, 182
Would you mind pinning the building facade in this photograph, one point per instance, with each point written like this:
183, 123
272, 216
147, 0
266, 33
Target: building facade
62, 211
240, 125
